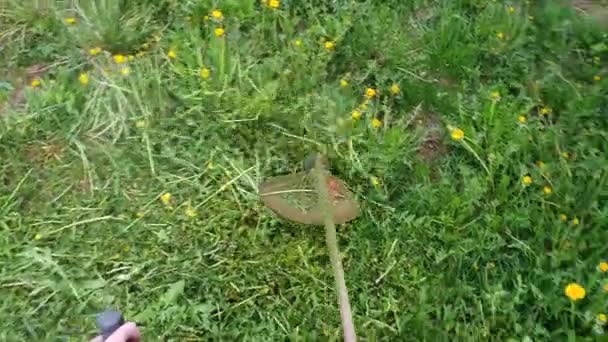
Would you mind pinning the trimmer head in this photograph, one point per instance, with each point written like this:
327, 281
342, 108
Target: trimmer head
294, 197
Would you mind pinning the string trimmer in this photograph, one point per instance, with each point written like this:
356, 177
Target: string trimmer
315, 197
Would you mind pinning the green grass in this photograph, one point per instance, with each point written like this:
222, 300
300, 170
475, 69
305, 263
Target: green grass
456, 248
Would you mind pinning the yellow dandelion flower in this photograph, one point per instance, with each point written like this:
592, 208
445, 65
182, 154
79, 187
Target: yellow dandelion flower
597, 78
395, 89
495, 96
219, 32
83, 78
566, 155
374, 180
217, 14
575, 221
605, 287
190, 212
602, 318
125, 71
205, 73
95, 51
70, 20
38, 236
356, 115
511, 9
172, 54
603, 266
541, 164
274, 4
119, 59
329, 45
522, 119
376, 123
343, 83
166, 198
500, 35
574, 291
141, 124
205, 18
130, 58
527, 180
35, 83
457, 134
370, 93
547, 190
545, 110
140, 214
563, 217
297, 42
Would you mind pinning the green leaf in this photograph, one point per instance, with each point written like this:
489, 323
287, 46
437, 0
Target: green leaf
93, 284
599, 47
174, 291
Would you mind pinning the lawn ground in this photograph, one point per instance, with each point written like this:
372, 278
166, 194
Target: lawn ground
474, 134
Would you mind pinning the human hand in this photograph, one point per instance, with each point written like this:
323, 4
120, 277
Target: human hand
127, 332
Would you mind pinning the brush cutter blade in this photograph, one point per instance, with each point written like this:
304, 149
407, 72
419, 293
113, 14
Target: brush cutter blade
294, 197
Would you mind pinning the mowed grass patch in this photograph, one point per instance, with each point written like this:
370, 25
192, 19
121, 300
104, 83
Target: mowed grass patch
129, 178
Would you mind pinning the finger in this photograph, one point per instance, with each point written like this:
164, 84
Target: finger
127, 331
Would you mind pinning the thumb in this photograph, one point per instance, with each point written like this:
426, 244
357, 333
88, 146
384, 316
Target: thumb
127, 332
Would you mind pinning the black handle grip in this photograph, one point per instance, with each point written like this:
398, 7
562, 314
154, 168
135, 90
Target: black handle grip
108, 321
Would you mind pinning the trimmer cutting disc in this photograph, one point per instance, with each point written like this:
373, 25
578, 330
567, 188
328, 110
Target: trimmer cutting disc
294, 197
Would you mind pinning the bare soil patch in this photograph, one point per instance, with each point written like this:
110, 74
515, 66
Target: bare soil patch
432, 146
20, 80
